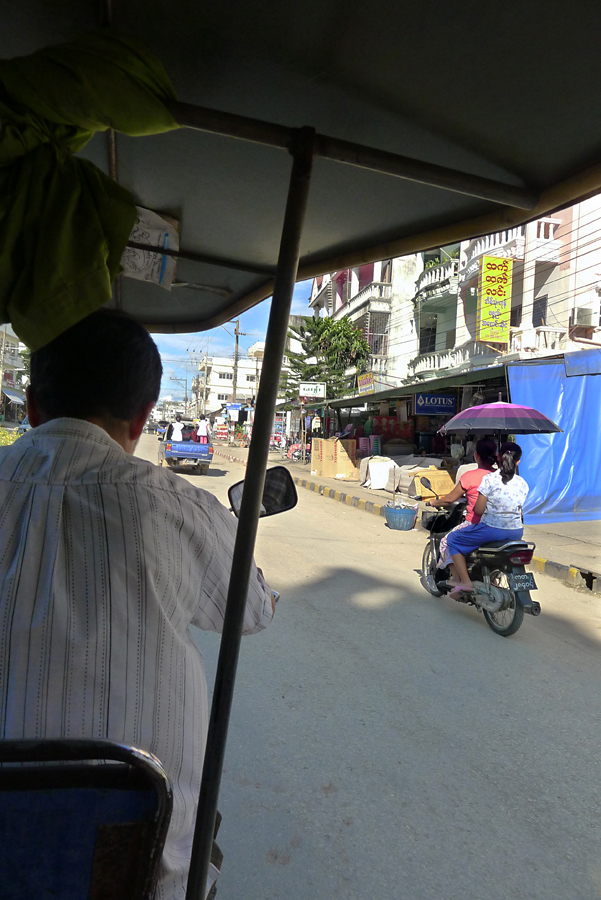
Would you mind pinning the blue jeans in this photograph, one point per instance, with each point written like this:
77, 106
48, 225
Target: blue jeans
467, 539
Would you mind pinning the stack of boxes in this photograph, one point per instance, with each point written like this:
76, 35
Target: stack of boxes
334, 458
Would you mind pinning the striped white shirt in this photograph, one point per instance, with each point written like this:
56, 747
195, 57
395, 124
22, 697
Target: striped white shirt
105, 560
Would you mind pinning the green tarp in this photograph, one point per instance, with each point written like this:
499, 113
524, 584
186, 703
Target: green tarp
63, 222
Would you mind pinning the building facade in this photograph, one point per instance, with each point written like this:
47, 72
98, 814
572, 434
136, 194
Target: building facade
419, 313
222, 380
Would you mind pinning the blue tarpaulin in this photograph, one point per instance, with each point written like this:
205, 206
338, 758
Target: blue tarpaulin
563, 470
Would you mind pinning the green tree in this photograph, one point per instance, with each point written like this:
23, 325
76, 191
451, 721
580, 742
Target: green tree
329, 349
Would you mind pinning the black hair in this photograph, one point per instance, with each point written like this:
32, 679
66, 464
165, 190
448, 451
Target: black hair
487, 451
105, 365
509, 457
202, 417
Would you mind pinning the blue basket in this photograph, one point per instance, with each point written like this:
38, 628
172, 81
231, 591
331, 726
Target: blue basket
399, 518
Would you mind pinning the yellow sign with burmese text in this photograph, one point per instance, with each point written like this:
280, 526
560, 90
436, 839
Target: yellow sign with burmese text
494, 300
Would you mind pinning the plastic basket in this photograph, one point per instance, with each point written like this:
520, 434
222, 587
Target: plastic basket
399, 518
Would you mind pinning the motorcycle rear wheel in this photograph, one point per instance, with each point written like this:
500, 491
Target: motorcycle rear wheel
507, 621
428, 572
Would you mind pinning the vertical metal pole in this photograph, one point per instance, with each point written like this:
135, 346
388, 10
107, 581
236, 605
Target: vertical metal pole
302, 152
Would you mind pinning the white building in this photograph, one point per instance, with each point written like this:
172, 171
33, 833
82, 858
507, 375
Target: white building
12, 366
219, 381
418, 313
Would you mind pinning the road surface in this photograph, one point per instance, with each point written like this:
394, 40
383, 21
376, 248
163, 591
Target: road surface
386, 744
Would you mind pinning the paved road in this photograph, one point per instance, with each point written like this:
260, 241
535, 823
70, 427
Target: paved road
385, 744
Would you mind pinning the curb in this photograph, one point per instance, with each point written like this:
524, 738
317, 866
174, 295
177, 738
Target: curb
229, 458
368, 506
581, 579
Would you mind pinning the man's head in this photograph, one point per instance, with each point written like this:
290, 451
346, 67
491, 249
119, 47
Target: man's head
178, 418
106, 369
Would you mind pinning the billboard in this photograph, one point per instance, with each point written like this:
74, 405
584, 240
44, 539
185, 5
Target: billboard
494, 300
365, 383
312, 389
434, 404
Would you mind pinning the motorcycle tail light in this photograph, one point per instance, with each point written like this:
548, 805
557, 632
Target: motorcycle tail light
522, 556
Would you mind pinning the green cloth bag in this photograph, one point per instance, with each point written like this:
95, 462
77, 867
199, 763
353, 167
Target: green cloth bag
63, 222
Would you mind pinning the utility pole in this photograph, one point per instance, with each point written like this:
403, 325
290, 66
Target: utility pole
237, 334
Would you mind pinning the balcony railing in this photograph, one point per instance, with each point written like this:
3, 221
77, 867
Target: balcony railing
509, 243
377, 295
438, 280
523, 344
539, 340
454, 358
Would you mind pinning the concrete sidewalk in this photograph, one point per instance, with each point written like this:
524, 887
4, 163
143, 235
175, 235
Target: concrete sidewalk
569, 551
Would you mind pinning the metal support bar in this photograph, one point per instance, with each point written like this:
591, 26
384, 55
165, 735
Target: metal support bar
204, 258
261, 132
275, 342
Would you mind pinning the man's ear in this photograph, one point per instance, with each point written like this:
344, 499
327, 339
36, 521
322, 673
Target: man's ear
136, 426
33, 411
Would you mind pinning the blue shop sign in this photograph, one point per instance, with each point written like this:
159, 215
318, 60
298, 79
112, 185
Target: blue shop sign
229, 406
434, 404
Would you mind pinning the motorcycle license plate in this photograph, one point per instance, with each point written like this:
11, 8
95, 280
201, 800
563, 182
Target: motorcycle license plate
522, 581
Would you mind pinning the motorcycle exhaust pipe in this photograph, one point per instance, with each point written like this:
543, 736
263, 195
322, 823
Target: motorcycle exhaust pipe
534, 610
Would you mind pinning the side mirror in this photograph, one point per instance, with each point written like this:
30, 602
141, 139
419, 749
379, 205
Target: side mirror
279, 493
426, 483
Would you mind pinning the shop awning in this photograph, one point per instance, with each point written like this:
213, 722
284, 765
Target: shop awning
14, 396
433, 384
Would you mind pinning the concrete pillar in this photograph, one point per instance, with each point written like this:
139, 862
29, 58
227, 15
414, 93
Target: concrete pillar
462, 334
529, 276
378, 271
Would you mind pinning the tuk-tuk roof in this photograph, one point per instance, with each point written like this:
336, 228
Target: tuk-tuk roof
500, 91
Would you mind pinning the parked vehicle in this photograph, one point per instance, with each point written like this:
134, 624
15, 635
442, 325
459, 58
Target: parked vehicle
24, 426
497, 570
295, 452
186, 453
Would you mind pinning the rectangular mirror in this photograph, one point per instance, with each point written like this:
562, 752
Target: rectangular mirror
279, 493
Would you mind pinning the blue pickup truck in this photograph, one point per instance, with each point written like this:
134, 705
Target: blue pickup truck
186, 453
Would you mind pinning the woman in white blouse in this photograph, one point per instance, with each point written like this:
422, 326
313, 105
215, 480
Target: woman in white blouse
502, 495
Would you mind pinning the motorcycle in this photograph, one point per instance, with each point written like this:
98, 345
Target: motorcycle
497, 571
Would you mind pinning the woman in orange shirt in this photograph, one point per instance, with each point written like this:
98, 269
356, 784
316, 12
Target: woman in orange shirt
486, 458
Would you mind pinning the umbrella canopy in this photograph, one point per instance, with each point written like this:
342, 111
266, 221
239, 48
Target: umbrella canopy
508, 418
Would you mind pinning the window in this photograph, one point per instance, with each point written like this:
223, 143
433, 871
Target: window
222, 396
516, 316
427, 333
427, 340
539, 312
450, 341
226, 376
250, 377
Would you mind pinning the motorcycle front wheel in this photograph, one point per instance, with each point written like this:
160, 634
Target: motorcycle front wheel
428, 572
507, 621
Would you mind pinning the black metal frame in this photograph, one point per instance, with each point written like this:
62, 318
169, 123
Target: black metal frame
302, 151
135, 770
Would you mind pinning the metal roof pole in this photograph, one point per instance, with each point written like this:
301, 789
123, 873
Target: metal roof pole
302, 150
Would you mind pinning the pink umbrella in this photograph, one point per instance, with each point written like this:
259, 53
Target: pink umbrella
496, 418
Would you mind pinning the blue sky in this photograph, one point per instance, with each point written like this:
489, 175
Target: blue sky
179, 350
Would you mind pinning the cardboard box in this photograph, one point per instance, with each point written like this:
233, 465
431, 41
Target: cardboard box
440, 480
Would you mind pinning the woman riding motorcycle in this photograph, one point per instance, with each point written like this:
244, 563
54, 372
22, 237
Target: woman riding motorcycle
468, 485
501, 497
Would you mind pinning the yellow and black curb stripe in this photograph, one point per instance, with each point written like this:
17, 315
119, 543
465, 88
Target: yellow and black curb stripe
575, 577
376, 509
